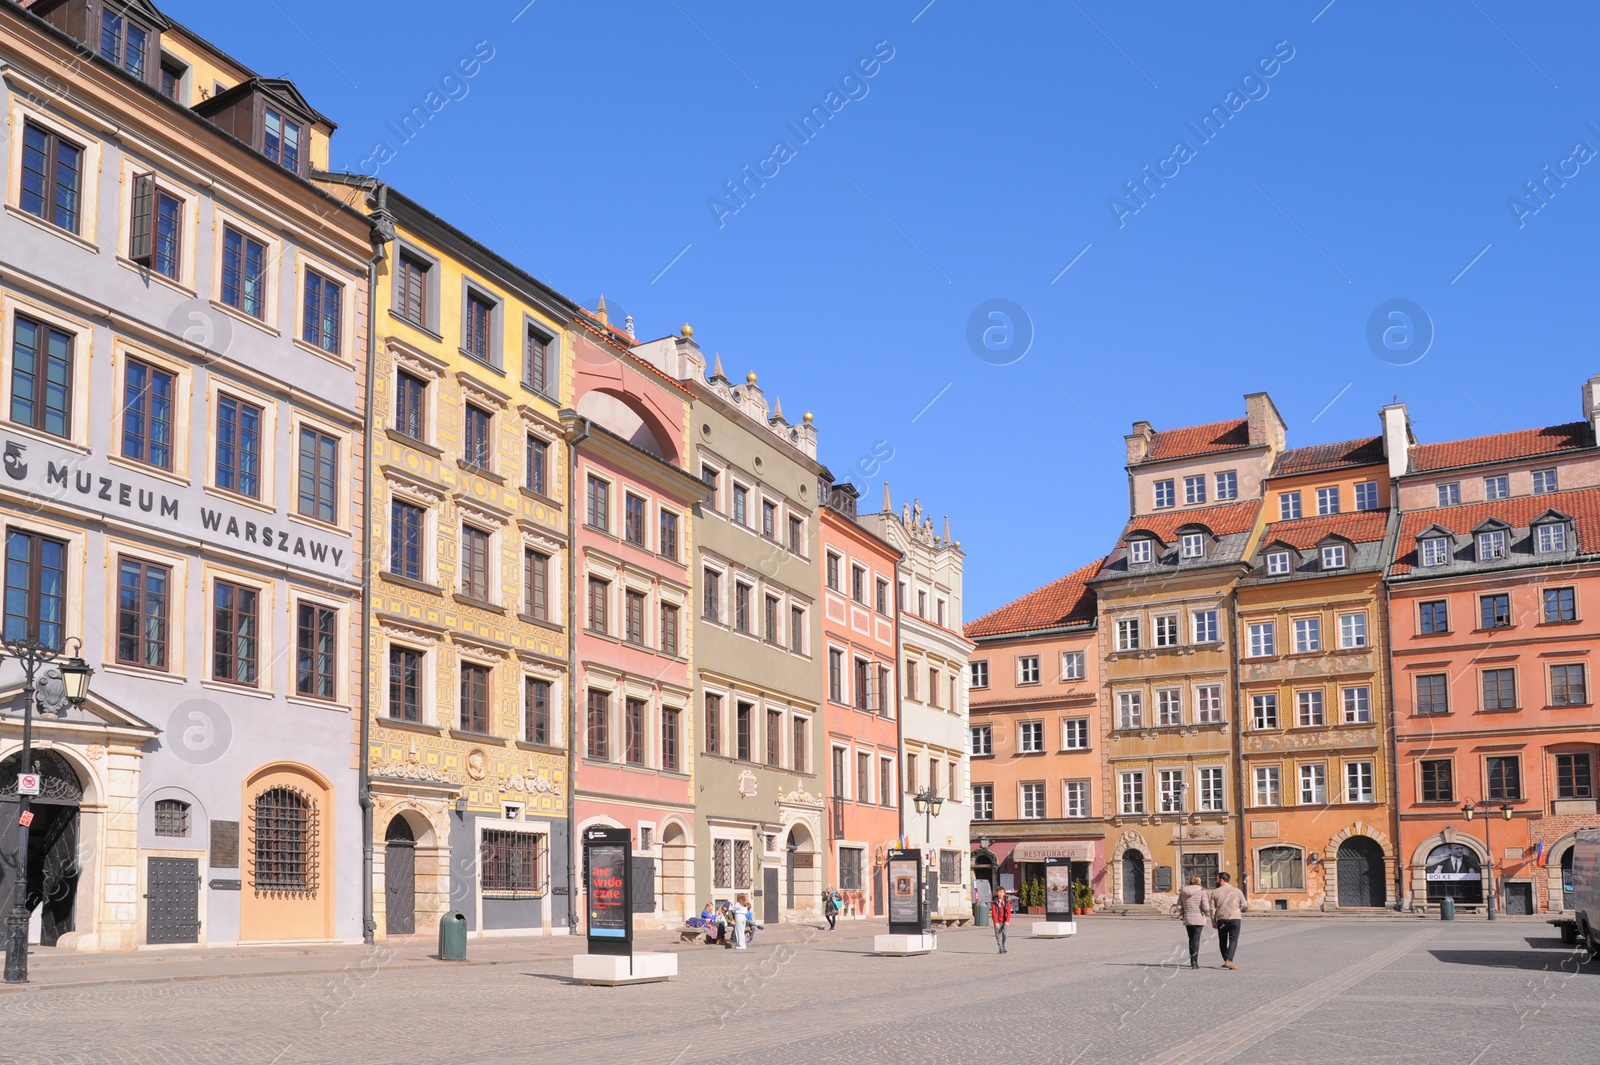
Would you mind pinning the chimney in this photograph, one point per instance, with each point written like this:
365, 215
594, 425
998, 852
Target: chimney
1397, 438
1139, 442
1266, 424
1591, 406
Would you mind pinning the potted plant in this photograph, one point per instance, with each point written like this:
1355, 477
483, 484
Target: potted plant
1033, 896
1082, 898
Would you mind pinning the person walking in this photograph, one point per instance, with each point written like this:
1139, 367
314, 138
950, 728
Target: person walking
1000, 914
1192, 911
1226, 905
830, 908
741, 918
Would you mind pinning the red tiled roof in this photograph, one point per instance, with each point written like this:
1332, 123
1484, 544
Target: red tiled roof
1199, 440
1224, 520
1302, 534
1067, 601
1582, 504
1364, 452
1524, 443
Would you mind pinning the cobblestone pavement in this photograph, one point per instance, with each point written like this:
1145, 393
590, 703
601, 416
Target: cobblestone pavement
1324, 990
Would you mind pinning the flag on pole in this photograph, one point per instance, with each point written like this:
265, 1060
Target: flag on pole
1538, 855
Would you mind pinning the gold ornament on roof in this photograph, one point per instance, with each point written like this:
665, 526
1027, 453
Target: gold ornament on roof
687, 330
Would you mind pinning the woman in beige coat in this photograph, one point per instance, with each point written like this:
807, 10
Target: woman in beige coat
1191, 909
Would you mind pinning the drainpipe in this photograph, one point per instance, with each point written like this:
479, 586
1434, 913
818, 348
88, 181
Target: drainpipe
577, 433
1390, 724
1237, 733
900, 709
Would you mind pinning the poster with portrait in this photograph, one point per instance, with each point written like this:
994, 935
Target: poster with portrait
1452, 863
905, 897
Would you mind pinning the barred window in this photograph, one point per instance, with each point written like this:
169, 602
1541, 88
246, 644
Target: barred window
949, 867
284, 841
850, 868
722, 864
741, 864
172, 818
508, 862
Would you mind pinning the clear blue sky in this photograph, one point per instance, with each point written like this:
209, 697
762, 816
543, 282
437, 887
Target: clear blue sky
1376, 164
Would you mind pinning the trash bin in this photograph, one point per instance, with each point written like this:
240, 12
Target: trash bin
453, 937
980, 914
1447, 909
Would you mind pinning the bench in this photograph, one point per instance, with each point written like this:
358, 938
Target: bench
951, 921
689, 935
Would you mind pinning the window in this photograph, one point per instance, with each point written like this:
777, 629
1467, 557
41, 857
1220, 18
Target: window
1437, 783
1227, 485
911, 774
1208, 704
633, 731
1211, 794
1499, 689
474, 563
1281, 870
235, 632
123, 42
244, 273
1550, 537
835, 675
405, 684
536, 711
474, 698
1496, 487
597, 725
1205, 626
1449, 494
1132, 793
477, 445
1352, 631
667, 535
1357, 702
711, 605
1264, 711
1169, 791
1309, 709
52, 177
1072, 665
1075, 734
741, 606
1560, 604
1288, 505
599, 604
1194, 490
41, 377
982, 801
743, 724
411, 290
284, 838
319, 475
980, 673
598, 500
633, 519
508, 862
406, 523
323, 299
1169, 706
1568, 686
1128, 634
1333, 556
172, 818
1313, 784
155, 227
1192, 545
1433, 617
147, 399
1075, 799
1494, 611
536, 361
633, 617
1030, 737
832, 568
536, 583
1141, 551
476, 328
774, 738
982, 740
797, 536
769, 522
741, 499
1166, 630
1277, 563
1367, 495
409, 393
863, 777
1544, 482
1433, 550
669, 629
1328, 500
172, 73
1433, 694
862, 684
1130, 709
142, 617
797, 630
1166, 496
802, 744
1574, 776
1263, 639
1505, 778
1032, 801
316, 648
1027, 671
1491, 545
239, 446
1268, 786
713, 728
883, 597
280, 139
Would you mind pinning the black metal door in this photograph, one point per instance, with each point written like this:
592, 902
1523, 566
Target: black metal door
1133, 878
400, 887
1363, 880
1519, 899
173, 898
788, 879
769, 894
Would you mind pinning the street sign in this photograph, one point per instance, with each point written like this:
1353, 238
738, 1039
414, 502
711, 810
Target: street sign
27, 783
26, 819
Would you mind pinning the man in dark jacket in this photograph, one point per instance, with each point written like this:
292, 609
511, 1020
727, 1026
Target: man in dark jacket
1000, 914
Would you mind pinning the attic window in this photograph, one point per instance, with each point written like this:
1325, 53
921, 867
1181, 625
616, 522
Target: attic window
1191, 545
280, 139
1550, 537
1141, 551
1433, 551
124, 42
1277, 563
1333, 556
1491, 545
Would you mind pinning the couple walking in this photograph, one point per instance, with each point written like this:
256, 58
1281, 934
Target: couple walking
1223, 906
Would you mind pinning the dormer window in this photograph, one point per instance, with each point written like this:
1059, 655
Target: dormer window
1141, 552
124, 42
1277, 563
1491, 545
280, 139
1550, 537
1433, 551
1333, 556
1192, 545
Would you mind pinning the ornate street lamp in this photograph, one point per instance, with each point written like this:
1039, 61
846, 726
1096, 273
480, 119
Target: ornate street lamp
927, 802
1469, 810
50, 685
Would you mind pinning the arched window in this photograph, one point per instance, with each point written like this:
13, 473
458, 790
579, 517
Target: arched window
283, 830
1282, 869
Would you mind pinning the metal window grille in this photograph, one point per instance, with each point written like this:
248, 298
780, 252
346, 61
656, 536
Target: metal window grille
172, 818
283, 844
508, 861
741, 864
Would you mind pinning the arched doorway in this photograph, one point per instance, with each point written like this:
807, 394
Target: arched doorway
677, 875
53, 866
400, 878
1133, 877
287, 848
1363, 879
802, 886
1453, 871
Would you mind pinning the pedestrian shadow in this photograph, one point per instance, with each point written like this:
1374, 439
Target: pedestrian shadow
1510, 959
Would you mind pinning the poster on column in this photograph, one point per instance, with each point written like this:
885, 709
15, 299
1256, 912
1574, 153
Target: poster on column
1058, 889
905, 891
605, 869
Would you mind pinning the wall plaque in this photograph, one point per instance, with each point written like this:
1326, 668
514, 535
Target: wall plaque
224, 844
1263, 830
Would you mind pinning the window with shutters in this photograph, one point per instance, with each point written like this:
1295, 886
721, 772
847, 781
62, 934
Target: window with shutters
862, 676
155, 228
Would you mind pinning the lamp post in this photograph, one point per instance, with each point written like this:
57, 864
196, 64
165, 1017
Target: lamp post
927, 802
52, 688
1183, 786
1468, 810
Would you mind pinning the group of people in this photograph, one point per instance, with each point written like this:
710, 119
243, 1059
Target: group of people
731, 924
1222, 907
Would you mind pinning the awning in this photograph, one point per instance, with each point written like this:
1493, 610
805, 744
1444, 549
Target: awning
1038, 851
